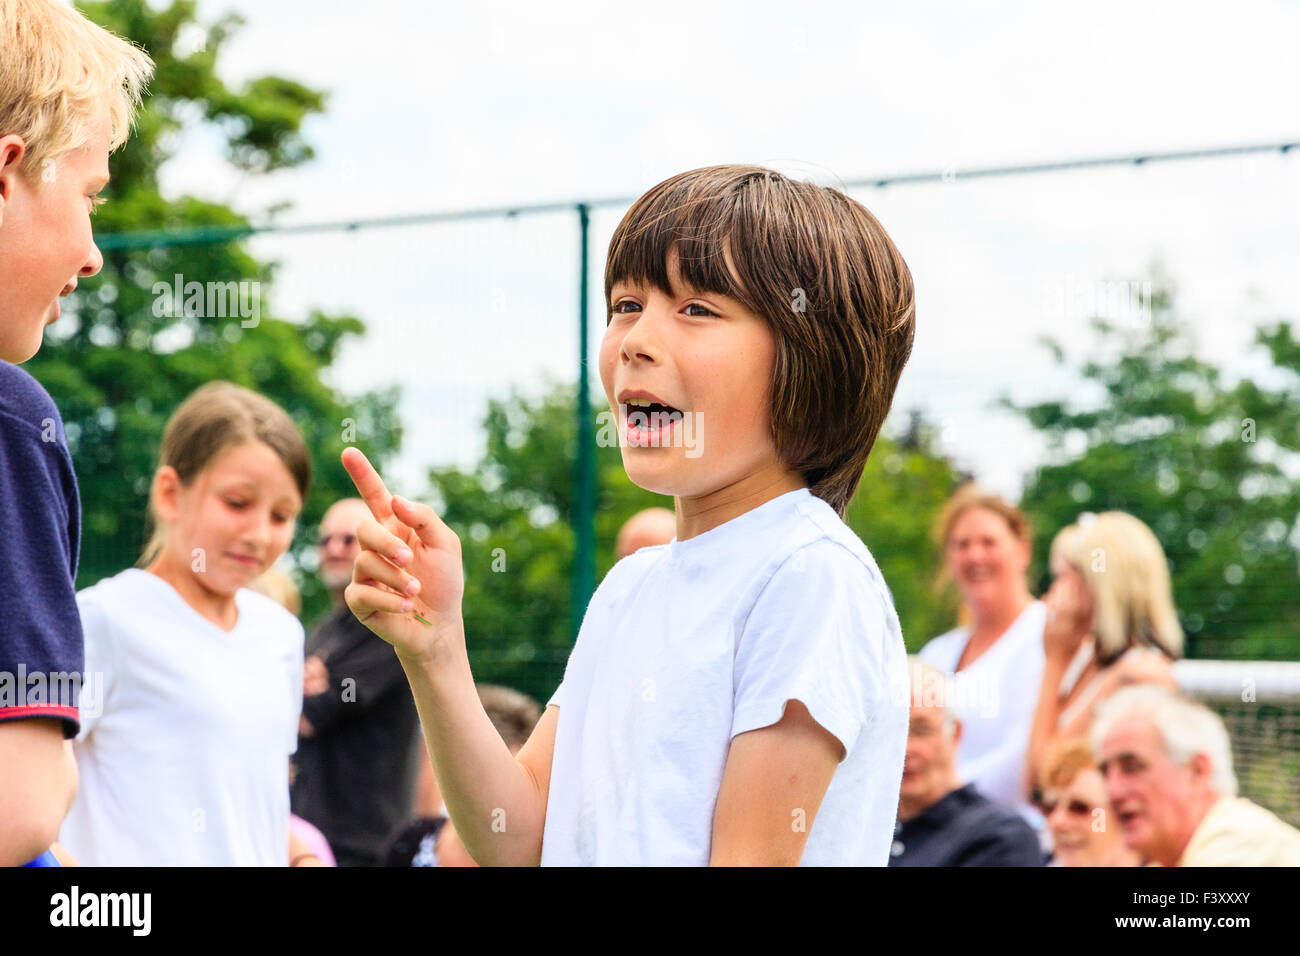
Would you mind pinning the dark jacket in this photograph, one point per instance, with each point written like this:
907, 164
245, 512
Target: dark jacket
355, 777
965, 828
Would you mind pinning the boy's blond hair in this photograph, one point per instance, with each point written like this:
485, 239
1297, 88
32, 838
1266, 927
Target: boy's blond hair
59, 74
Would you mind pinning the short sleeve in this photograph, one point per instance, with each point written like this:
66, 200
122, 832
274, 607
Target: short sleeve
817, 633
557, 699
103, 670
40, 629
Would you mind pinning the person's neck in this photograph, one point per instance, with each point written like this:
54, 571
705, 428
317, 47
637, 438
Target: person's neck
993, 618
697, 515
912, 806
220, 609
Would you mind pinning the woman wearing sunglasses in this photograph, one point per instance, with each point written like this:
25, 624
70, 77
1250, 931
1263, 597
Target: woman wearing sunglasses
1079, 815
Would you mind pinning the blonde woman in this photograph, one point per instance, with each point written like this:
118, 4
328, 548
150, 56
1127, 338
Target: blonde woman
1110, 622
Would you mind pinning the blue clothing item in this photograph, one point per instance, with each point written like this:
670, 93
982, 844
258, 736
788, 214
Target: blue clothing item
42, 650
965, 828
45, 859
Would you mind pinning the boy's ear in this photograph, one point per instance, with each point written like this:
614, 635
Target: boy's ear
12, 151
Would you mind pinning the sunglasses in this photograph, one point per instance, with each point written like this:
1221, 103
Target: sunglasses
1076, 808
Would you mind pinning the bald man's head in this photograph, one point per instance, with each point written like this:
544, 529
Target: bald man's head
338, 541
645, 529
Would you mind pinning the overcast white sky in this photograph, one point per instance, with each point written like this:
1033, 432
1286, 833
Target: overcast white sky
450, 106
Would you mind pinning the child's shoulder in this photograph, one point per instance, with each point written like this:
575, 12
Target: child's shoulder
120, 602
827, 566
25, 398
628, 570
832, 544
125, 586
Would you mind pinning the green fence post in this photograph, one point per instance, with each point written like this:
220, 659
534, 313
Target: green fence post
583, 513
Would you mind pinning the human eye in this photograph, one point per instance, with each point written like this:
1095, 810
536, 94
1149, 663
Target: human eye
236, 503
701, 310
624, 306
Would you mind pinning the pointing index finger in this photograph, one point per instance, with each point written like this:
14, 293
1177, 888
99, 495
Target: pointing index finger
369, 484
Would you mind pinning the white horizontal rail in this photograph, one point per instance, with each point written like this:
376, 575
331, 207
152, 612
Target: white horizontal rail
1268, 681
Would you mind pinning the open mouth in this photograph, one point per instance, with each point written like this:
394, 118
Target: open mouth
649, 423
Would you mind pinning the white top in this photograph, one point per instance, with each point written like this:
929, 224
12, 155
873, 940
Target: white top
186, 730
685, 645
996, 699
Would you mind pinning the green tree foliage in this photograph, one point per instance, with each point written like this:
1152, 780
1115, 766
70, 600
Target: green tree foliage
904, 487
512, 510
1203, 461
120, 360
512, 513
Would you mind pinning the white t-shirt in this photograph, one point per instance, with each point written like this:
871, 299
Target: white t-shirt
685, 645
186, 730
996, 699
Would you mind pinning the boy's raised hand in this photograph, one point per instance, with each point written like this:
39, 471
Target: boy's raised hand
404, 543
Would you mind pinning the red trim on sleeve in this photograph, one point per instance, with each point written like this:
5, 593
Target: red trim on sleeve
41, 710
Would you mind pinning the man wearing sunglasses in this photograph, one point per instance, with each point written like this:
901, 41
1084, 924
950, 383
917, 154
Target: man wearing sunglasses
359, 732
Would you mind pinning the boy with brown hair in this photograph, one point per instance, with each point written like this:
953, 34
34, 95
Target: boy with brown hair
68, 92
731, 696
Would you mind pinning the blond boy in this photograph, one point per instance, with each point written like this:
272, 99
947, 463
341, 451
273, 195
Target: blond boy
68, 92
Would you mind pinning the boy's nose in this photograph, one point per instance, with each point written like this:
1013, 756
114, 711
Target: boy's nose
641, 341
94, 262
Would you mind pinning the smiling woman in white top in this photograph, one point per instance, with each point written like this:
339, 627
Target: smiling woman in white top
996, 658
194, 680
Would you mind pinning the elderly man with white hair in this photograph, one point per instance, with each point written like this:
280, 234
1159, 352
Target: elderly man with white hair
940, 821
1167, 762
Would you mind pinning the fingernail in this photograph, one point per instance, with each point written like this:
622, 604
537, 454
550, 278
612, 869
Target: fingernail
413, 586
403, 555
408, 606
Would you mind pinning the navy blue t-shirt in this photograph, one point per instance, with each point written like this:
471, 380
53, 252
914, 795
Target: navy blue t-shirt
42, 651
